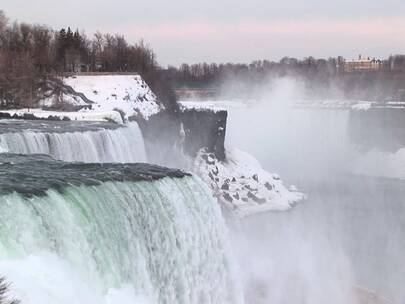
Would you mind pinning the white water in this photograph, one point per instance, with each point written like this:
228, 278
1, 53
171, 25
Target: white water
124, 145
146, 242
348, 231
287, 139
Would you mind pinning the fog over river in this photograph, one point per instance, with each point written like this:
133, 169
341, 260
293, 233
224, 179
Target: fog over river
349, 231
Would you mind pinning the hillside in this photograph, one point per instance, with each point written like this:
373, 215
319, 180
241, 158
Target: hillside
96, 97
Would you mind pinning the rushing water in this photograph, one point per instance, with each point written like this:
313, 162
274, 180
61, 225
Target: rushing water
111, 234
135, 233
85, 142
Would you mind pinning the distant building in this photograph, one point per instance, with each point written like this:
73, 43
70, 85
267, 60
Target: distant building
363, 64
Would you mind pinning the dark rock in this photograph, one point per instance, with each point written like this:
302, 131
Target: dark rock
268, 186
249, 188
204, 129
255, 177
255, 198
215, 171
225, 186
227, 197
236, 196
161, 133
5, 115
29, 116
54, 118
210, 176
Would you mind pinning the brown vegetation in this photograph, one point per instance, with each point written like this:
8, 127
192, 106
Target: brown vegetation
30, 55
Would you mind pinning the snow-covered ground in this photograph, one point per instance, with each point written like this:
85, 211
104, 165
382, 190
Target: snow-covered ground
79, 116
214, 105
362, 106
243, 186
101, 97
128, 93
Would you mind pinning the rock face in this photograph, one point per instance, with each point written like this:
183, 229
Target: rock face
173, 138
163, 140
204, 128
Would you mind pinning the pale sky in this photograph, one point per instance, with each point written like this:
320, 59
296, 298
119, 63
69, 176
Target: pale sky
232, 30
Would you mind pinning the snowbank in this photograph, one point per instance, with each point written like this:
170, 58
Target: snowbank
362, 106
79, 116
243, 186
214, 105
128, 93
99, 98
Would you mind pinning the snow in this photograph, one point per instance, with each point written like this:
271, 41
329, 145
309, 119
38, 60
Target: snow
80, 116
108, 95
242, 185
128, 93
364, 106
73, 100
213, 105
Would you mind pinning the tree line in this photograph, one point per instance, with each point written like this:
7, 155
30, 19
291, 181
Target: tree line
29, 54
320, 76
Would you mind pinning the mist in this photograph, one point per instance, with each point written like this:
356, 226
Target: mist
345, 237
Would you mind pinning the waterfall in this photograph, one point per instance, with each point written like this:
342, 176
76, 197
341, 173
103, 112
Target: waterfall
287, 139
124, 144
160, 241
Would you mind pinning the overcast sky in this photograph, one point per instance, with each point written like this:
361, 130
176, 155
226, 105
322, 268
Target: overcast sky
232, 30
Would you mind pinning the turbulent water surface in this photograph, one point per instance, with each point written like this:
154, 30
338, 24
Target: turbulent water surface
111, 234
83, 221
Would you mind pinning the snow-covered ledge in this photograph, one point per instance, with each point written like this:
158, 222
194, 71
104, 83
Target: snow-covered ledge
94, 97
113, 116
128, 94
243, 186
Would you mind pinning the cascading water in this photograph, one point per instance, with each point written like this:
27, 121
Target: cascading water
349, 231
312, 140
111, 234
122, 144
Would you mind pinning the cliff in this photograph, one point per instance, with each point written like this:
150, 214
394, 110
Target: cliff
204, 129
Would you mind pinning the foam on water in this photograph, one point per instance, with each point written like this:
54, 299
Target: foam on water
163, 241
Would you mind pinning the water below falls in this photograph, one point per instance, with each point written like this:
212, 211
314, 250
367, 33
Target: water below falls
350, 230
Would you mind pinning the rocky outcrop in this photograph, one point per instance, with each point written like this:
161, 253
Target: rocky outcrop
242, 186
204, 128
163, 140
174, 138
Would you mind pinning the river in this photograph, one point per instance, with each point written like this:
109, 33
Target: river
348, 232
